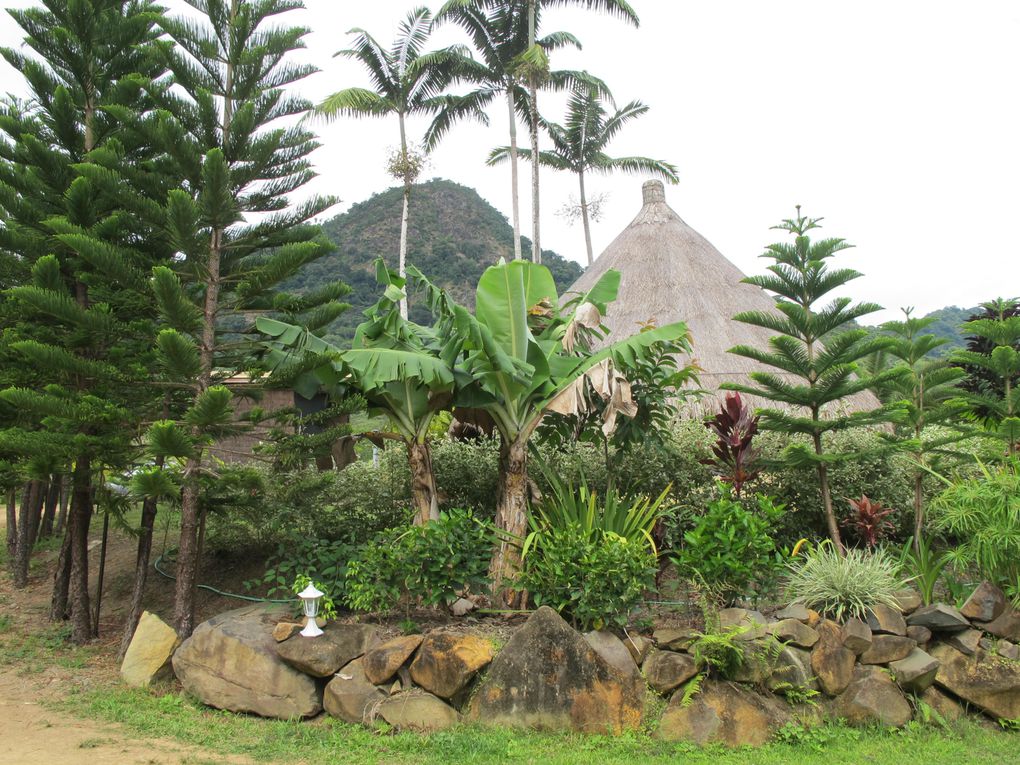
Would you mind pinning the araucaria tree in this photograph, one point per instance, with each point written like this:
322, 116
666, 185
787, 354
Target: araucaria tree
927, 395
407, 82
814, 353
82, 324
236, 232
579, 146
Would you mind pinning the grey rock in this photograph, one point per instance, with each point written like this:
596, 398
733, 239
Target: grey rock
667, 670
985, 604
887, 648
857, 635
419, 711
831, 661
794, 632
1006, 625
916, 672
672, 639
796, 611
920, 635
939, 617
983, 680
886, 620
639, 646
351, 696
723, 713
792, 669
381, 662
752, 622
611, 648
908, 600
322, 656
965, 642
1008, 650
873, 698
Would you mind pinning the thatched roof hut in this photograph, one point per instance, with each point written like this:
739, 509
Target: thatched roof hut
669, 272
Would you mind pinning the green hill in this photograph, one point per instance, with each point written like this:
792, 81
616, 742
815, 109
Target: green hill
453, 235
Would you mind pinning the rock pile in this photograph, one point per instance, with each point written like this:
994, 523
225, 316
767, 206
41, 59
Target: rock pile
550, 677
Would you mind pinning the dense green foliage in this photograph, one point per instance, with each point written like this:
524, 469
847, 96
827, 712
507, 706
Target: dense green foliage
595, 580
982, 516
840, 586
453, 236
428, 565
731, 549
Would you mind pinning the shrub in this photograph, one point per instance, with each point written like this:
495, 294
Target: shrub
594, 580
844, 585
321, 560
430, 565
731, 548
983, 516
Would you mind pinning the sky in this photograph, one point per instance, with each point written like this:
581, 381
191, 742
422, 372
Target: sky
897, 121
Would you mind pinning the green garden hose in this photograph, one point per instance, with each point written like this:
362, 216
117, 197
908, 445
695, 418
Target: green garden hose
206, 587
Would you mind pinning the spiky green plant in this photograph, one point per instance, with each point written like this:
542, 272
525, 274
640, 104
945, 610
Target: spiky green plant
840, 586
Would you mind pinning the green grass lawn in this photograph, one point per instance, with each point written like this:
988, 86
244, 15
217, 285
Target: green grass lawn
148, 714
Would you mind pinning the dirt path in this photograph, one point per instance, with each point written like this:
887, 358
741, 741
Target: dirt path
31, 734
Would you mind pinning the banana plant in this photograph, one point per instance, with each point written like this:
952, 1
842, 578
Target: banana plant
395, 364
521, 355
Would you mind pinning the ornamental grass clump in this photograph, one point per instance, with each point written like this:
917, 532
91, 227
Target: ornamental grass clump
841, 586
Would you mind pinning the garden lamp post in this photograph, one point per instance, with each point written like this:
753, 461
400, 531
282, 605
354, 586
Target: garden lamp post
310, 598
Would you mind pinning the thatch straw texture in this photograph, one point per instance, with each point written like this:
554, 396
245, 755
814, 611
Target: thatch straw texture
669, 272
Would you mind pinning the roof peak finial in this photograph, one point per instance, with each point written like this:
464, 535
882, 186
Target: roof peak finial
653, 191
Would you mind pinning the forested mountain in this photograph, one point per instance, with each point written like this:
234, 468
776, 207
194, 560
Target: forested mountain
947, 324
453, 236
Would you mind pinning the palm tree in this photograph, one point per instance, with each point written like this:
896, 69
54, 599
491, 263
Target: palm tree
615, 7
406, 82
579, 146
499, 32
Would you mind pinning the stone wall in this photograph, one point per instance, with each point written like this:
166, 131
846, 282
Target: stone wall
800, 666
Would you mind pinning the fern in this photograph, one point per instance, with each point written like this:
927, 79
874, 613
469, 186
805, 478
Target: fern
691, 689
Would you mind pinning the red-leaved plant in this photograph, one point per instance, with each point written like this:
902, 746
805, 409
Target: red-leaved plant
735, 458
869, 519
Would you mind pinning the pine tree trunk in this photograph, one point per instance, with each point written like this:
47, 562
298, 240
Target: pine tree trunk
102, 573
823, 483
35, 514
145, 529
514, 191
187, 557
65, 493
584, 218
50, 510
511, 517
423, 483
61, 580
78, 523
918, 510
12, 526
23, 548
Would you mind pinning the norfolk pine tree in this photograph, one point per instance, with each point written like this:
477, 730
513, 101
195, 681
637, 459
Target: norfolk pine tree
234, 132
83, 318
815, 355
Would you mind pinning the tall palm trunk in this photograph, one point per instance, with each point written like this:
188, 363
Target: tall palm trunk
584, 218
515, 201
536, 237
404, 214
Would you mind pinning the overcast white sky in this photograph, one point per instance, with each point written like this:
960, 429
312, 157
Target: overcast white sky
896, 120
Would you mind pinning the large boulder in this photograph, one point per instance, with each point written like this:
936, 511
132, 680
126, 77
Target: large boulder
351, 696
872, 697
667, 670
383, 661
447, 661
418, 711
791, 670
831, 661
548, 677
148, 655
985, 604
724, 713
322, 656
230, 662
983, 680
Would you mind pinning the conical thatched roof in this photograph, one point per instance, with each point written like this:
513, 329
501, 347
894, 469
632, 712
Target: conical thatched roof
669, 272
